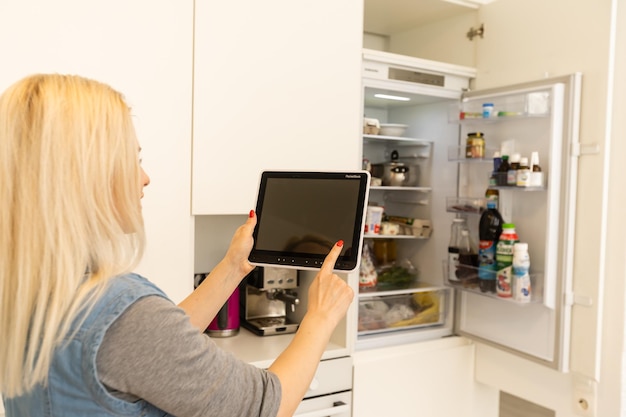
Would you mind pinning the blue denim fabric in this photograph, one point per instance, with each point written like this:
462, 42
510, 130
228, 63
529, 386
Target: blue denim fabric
73, 388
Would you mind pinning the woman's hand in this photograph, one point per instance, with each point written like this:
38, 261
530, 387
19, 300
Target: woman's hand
329, 299
240, 247
329, 295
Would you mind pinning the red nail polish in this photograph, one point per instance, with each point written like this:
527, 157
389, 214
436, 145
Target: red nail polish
251, 213
340, 243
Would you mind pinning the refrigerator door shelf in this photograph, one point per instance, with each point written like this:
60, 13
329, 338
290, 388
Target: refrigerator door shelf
522, 104
466, 205
458, 154
469, 283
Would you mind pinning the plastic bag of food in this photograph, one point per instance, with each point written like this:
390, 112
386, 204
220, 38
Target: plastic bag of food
400, 275
368, 277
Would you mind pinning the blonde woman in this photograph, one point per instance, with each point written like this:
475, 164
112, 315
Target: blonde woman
81, 335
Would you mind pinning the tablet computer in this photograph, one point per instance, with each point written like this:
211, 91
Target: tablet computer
301, 215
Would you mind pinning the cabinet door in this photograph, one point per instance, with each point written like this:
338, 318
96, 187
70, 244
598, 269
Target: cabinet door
432, 379
143, 49
276, 87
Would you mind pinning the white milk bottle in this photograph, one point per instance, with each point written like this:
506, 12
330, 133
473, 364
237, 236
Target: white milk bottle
521, 275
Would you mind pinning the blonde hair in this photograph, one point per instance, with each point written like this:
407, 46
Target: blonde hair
69, 196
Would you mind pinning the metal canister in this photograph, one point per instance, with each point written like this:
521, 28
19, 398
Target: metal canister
475, 147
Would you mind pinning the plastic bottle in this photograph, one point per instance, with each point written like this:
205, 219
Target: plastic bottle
523, 173
503, 170
521, 275
466, 271
504, 260
458, 224
489, 230
511, 177
492, 194
497, 160
536, 175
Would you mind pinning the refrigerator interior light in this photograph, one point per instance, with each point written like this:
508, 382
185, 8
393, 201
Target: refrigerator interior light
390, 97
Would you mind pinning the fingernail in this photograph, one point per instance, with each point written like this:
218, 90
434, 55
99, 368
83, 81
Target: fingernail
340, 243
251, 213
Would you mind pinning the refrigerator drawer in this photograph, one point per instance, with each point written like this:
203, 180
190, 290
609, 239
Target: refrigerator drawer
393, 311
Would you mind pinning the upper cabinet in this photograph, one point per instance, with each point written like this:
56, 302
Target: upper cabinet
276, 87
152, 67
421, 28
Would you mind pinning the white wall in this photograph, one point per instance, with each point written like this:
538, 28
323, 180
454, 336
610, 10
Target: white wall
144, 49
526, 40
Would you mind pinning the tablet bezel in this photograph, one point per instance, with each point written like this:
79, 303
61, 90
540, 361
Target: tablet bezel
302, 260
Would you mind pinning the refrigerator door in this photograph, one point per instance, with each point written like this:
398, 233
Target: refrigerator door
538, 117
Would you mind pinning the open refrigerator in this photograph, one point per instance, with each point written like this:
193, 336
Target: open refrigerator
439, 114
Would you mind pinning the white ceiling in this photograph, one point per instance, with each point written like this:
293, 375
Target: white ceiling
385, 17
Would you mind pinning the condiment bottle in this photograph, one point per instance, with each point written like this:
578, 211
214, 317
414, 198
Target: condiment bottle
536, 175
523, 173
492, 194
489, 230
497, 160
503, 170
511, 178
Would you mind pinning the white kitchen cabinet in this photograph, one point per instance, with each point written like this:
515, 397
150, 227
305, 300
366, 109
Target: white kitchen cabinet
434, 379
274, 89
150, 61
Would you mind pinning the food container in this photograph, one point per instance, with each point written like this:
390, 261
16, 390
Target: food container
420, 228
475, 147
396, 173
373, 219
371, 126
392, 129
389, 228
487, 110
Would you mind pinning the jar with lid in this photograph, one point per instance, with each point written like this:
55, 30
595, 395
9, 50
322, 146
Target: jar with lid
475, 146
487, 110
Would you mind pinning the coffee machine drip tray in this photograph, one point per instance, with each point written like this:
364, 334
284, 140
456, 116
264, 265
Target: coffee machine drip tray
267, 326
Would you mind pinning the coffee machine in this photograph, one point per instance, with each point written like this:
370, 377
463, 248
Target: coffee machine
268, 298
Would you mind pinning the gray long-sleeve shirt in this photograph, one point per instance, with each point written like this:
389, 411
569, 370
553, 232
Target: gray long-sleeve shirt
153, 352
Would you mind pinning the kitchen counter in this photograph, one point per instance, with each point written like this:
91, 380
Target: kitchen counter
261, 351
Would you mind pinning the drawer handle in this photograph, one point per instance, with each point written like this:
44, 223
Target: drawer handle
338, 407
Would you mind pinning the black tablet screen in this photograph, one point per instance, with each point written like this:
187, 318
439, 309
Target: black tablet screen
301, 215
